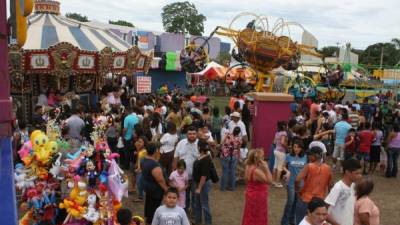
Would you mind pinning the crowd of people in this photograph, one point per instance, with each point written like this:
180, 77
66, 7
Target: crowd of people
169, 142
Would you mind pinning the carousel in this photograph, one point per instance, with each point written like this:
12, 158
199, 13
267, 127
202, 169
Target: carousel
68, 56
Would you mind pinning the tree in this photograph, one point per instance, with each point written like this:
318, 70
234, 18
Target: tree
77, 16
223, 58
396, 41
372, 54
182, 17
329, 51
121, 23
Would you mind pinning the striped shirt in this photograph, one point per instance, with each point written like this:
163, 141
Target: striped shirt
354, 120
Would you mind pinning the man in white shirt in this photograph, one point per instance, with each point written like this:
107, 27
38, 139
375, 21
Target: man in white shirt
237, 122
187, 150
341, 199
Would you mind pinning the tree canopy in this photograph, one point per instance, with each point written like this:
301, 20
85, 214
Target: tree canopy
329, 51
77, 16
121, 23
182, 17
372, 54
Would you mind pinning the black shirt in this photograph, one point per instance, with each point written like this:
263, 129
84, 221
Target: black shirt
201, 168
151, 187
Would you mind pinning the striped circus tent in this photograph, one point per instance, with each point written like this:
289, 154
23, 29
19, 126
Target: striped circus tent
45, 30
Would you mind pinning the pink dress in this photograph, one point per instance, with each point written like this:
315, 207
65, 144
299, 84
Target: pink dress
179, 181
256, 205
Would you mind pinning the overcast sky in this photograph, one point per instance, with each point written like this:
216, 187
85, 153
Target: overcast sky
360, 22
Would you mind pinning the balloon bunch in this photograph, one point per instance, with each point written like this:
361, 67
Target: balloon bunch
37, 178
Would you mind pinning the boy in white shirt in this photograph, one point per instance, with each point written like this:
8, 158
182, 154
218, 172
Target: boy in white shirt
341, 199
170, 213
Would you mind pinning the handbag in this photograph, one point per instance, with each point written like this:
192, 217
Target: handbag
120, 143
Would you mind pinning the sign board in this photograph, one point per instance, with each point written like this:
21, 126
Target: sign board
86, 62
40, 61
119, 62
143, 84
143, 42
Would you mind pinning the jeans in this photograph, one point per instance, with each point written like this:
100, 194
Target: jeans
228, 173
290, 207
393, 156
301, 211
190, 196
139, 185
202, 204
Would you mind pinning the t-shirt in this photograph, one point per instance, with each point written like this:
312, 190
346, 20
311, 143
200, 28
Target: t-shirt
354, 120
189, 153
201, 167
378, 138
168, 142
341, 130
316, 181
129, 124
305, 222
295, 165
366, 138
239, 124
277, 141
352, 146
366, 205
141, 154
75, 125
170, 216
341, 200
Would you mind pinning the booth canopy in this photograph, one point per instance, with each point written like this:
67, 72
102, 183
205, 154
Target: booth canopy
46, 30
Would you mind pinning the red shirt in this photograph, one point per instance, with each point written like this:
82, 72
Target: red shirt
366, 138
351, 147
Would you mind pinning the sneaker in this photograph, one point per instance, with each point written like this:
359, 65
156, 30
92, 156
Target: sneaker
277, 185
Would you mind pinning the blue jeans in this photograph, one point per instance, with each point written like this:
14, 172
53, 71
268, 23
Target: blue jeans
228, 173
393, 156
301, 211
202, 205
139, 185
190, 196
290, 207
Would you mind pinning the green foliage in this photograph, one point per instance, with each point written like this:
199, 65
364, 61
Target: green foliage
182, 17
77, 16
372, 54
223, 58
121, 23
329, 51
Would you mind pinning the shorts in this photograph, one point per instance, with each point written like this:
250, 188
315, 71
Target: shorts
279, 160
338, 151
375, 154
363, 156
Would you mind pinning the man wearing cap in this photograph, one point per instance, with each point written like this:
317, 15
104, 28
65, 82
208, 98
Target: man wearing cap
237, 122
318, 179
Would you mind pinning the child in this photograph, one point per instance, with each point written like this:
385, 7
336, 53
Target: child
179, 179
170, 213
124, 217
350, 144
140, 145
295, 162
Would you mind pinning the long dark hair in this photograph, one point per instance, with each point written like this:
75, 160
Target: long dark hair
299, 143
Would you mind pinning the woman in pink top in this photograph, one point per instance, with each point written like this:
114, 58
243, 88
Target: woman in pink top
280, 142
365, 210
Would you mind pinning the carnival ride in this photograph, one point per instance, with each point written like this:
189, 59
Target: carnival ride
260, 49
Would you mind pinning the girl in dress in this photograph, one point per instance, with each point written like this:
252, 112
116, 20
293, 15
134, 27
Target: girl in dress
180, 180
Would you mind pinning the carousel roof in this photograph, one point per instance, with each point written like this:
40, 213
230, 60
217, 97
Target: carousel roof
45, 30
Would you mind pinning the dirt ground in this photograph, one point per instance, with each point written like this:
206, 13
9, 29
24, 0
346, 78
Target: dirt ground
227, 207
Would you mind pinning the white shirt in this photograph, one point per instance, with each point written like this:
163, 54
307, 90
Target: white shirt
332, 115
163, 110
240, 124
189, 152
155, 131
304, 222
168, 142
342, 199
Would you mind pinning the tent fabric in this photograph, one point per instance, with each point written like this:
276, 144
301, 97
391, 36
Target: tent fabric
45, 30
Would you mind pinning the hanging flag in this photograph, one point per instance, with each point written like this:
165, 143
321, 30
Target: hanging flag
171, 58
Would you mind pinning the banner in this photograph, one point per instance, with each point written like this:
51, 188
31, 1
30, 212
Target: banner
143, 42
143, 84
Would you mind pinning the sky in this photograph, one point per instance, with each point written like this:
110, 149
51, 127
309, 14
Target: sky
360, 22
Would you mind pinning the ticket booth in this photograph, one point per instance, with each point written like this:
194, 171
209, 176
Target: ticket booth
269, 109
